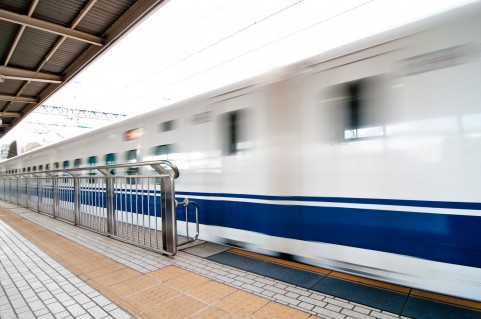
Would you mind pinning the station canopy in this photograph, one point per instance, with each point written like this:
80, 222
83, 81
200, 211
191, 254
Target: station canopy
45, 43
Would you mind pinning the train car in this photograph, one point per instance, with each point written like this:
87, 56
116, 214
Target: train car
364, 159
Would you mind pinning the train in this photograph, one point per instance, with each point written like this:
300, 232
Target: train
363, 159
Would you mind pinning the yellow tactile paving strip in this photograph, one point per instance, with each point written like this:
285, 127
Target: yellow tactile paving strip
287, 263
447, 299
368, 282
170, 292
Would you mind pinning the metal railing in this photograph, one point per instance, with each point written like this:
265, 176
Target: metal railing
133, 202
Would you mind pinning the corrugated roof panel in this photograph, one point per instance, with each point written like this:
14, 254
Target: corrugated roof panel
10, 87
7, 34
17, 6
102, 15
32, 48
68, 52
17, 107
71, 57
61, 12
34, 88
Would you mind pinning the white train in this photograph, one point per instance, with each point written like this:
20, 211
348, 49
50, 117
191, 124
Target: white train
364, 159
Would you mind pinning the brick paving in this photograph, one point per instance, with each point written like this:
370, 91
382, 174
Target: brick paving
35, 285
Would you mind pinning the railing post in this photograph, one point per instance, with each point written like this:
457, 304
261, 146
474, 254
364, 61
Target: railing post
109, 181
169, 217
76, 199
39, 193
55, 198
18, 201
109, 196
27, 188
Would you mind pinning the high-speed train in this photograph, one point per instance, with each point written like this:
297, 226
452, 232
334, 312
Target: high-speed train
365, 159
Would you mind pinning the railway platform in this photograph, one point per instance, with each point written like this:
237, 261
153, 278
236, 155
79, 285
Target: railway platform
52, 269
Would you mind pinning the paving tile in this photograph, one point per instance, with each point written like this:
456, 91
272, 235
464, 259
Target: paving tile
212, 313
275, 310
76, 310
168, 273
178, 308
97, 312
212, 292
114, 277
151, 297
187, 282
95, 265
102, 271
241, 303
133, 285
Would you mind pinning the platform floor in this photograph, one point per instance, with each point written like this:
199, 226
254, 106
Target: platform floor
51, 269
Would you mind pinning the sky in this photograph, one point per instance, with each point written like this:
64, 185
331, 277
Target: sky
187, 47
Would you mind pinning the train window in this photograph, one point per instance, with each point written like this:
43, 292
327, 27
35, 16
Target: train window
40, 167
77, 163
47, 167
92, 160
34, 168
167, 126
24, 170
110, 159
132, 156
28, 169
161, 152
233, 124
66, 164
356, 110
56, 165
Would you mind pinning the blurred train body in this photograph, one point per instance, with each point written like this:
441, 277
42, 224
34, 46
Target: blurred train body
365, 159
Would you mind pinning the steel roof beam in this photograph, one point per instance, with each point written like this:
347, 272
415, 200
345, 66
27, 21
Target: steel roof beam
18, 99
27, 75
10, 114
50, 27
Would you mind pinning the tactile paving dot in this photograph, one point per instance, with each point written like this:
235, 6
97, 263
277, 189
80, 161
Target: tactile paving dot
241, 303
133, 285
187, 282
212, 292
167, 273
151, 297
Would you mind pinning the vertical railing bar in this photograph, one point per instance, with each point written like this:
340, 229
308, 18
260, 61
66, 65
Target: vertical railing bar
155, 217
142, 227
148, 212
76, 199
124, 208
137, 210
131, 213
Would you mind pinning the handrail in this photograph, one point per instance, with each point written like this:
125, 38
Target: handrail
119, 205
186, 202
156, 165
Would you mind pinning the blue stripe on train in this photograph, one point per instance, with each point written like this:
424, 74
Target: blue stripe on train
347, 200
439, 237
